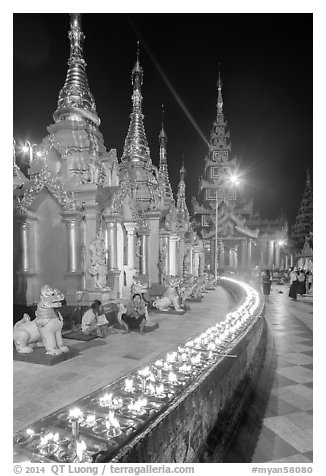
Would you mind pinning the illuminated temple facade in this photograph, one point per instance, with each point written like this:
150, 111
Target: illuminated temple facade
89, 223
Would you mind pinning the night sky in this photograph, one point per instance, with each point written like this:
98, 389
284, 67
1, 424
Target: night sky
266, 67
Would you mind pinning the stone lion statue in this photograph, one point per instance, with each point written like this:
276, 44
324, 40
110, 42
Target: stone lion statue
170, 297
45, 329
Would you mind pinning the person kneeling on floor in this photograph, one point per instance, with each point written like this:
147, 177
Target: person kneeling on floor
135, 317
94, 323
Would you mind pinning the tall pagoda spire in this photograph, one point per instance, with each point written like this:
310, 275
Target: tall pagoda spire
220, 145
219, 104
136, 145
167, 194
136, 166
75, 99
182, 209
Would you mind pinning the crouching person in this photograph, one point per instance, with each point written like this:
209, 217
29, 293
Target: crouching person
135, 316
94, 323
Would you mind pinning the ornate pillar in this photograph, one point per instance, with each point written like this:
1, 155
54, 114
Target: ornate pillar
91, 213
277, 255
131, 243
143, 269
72, 220
249, 254
153, 245
270, 259
286, 261
111, 247
222, 255
173, 254
27, 292
244, 258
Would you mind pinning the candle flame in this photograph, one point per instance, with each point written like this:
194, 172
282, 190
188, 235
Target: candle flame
75, 413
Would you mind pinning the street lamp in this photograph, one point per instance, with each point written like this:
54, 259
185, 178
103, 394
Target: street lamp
233, 180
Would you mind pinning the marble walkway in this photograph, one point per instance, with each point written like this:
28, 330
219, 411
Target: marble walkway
40, 390
278, 427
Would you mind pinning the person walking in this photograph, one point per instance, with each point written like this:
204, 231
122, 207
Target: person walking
293, 284
301, 283
267, 284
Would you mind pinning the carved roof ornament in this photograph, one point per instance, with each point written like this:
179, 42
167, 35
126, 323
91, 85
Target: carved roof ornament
45, 179
75, 99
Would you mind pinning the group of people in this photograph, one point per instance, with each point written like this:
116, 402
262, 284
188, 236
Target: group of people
300, 283
94, 321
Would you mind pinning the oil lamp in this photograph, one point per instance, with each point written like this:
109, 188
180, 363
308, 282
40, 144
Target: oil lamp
75, 416
159, 365
129, 386
106, 400
172, 378
112, 425
49, 444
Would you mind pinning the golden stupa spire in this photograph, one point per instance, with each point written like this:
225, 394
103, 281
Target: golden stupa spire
136, 145
75, 99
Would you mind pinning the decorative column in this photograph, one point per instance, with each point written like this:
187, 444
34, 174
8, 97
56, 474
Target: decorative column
143, 234
153, 245
244, 258
270, 259
222, 255
286, 261
111, 246
231, 258
173, 254
26, 292
131, 243
277, 255
249, 254
72, 220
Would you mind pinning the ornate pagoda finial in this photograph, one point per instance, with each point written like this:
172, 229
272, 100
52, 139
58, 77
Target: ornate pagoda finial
136, 145
182, 209
167, 194
162, 135
219, 89
75, 99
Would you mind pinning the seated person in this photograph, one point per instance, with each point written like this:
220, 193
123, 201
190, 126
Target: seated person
135, 317
94, 323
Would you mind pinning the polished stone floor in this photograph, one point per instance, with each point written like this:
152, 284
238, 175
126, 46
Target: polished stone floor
278, 426
40, 390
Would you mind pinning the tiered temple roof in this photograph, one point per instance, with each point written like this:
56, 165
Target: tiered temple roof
304, 219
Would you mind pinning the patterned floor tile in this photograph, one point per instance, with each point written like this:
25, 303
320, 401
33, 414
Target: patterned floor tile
296, 373
308, 454
301, 419
271, 446
290, 432
299, 359
297, 395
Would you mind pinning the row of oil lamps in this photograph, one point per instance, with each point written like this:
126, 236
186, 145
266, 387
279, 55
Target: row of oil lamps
111, 418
